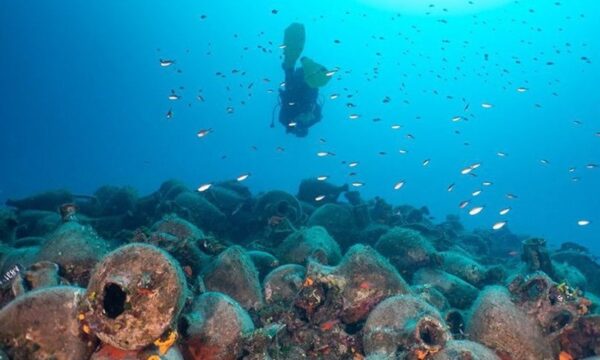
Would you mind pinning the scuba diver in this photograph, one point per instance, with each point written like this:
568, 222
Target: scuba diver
299, 107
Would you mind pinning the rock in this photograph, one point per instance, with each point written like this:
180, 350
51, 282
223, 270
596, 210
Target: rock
464, 350
76, 249
500, 325
407, 250
234, 274
283, 283
309, 243
338, 220
215, 328
134, 296
42, 324
459, 293
403, 325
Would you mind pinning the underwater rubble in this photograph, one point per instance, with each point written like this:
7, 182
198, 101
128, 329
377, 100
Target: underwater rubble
223, 274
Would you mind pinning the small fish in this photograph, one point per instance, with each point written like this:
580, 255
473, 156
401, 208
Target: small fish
591, 166
504, 211
476, 193
456, 118
169, 114
243, 177
358, 184
511, 196
487, 183
334, 96
203, 132
320, 197
486, 105
403, 151
522, 89
353, 164
204, 187
572, 169
292, 124
463, 204
166, 62
476, 210
322, 177
513, 253
499, 225
396, 127
501, 154
426, 162
353, 116
399, 185
172, 96
466, 170
451, 187
324, 153
280, 149
544, 162
583, 222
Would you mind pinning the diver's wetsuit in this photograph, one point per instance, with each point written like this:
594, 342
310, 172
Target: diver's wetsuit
298, 103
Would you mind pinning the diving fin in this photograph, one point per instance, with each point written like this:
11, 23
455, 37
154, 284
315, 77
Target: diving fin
293, 42
315, 75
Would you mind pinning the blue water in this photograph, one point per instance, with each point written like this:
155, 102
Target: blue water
84, 101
